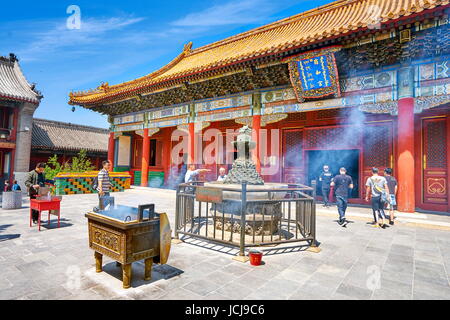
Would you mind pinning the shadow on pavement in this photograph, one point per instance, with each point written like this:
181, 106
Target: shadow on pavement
159, 272
6, 237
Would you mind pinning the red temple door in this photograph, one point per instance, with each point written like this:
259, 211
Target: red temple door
434, 164
137, 151
378, 150
293, 162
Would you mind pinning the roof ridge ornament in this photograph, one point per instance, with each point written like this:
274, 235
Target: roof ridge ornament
104, 87
13, 57
187, 48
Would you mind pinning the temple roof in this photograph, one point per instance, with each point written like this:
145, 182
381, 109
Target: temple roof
13, 85
55, 135
337, 18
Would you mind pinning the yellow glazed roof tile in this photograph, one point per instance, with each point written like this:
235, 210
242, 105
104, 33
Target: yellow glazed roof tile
317, 24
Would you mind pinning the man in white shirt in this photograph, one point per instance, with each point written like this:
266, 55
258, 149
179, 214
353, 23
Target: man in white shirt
192, 173
222, 175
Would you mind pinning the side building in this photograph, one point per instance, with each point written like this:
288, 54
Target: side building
65, 140
355, 83
18, 102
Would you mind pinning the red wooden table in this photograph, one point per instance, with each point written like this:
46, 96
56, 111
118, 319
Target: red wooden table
45, 205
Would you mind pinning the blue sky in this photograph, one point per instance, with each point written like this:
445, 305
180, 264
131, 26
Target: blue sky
118, 40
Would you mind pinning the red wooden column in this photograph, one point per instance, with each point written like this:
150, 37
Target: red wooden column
256, 127
256, 124
111, 146
191, 147
14, 139
166, 154
145, 158
405, 160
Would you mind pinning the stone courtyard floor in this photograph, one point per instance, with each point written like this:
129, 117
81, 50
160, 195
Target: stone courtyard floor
408, 261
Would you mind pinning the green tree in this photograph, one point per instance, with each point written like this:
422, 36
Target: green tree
80, 163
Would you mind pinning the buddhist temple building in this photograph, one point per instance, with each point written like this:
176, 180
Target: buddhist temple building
66, 140
18, 102
355, 83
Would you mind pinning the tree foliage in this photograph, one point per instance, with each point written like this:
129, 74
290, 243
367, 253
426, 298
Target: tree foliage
80, 163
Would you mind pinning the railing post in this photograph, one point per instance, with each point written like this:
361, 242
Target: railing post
241, 257
177, 214
314, 186
176, 239
313, 247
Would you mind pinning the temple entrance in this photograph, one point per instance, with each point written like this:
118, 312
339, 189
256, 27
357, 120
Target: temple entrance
335, 159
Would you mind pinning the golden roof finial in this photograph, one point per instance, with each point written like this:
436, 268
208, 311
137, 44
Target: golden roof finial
187, 48
104, 86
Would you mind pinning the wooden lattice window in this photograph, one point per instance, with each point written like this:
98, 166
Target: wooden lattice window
332, 138
376, 146
293, 149
328, 114
227, 124
436, 144
297, 116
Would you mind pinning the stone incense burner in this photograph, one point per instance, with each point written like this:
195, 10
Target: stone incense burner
263, 217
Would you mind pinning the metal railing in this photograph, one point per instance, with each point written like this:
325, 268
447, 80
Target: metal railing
267, 216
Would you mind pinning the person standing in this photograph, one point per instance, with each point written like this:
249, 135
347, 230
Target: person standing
325, 177
393, 188
104, 182
342, 184
35, 180
192, 174
377, 187
222, 175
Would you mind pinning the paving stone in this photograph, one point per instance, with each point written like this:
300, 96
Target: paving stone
293, 275
102, 291
221, 278
319, 288
398, 276
431, 288
5, 284
387, 295
354, 291
343, 297
235, 291
302, 294
18, 290
181, 294
236, 269
215, 296
249, 278
402, 250
201, 287
54, 293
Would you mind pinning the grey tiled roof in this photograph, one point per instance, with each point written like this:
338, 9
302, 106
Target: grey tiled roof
13, 84
57, 135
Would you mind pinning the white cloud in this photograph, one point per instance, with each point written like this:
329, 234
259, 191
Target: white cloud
230, 13
56, 36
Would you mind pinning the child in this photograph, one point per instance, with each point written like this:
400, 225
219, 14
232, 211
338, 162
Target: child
16, 186
7, 186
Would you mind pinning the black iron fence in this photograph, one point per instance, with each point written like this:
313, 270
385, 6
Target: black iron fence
248, 216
